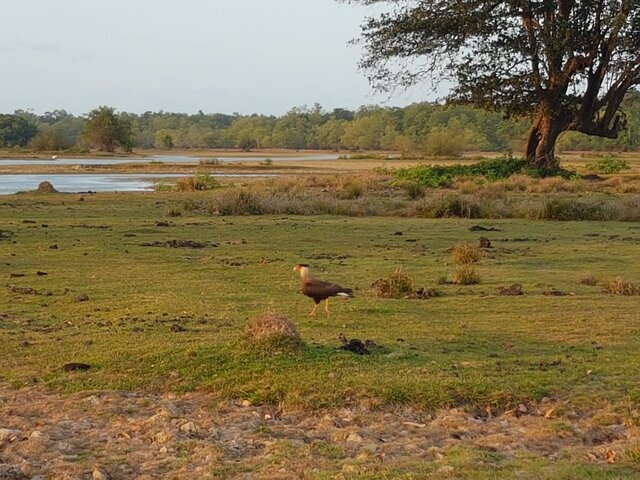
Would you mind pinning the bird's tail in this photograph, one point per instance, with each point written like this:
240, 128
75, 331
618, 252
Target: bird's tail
346, 293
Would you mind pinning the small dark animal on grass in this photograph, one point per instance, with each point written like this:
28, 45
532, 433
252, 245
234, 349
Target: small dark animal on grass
319, 290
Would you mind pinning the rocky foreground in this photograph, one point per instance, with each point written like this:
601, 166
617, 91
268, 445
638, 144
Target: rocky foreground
123, 435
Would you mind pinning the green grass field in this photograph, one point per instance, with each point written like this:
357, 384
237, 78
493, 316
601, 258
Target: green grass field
172, 319
469, 347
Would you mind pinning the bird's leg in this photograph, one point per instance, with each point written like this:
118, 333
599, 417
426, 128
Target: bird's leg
313, 312
326, 307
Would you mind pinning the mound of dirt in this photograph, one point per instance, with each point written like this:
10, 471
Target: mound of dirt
273, 332
46, 187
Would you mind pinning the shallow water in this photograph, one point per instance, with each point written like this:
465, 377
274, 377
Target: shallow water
155, 159
117, 182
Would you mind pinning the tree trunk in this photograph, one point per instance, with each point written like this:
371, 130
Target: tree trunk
542, 142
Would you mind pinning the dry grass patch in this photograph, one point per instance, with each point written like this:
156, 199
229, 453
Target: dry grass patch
464, 254
619, 286
273, 333
589, 280
398, 285
466, 275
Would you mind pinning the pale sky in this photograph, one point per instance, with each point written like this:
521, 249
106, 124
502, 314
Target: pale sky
245, 56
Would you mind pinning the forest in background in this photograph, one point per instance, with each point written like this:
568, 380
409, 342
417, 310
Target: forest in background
422, 128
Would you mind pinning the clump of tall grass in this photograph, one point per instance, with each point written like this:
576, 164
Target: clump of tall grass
198, 183
237, 202
565, 209
447, 206
466, 275
398, 285
465, 254
618, 286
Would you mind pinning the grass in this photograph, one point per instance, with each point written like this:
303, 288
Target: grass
175, 319
138, 293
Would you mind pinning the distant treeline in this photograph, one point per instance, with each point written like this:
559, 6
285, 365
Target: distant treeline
424, 128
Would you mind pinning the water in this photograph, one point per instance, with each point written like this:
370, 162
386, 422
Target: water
157, 159
98, 182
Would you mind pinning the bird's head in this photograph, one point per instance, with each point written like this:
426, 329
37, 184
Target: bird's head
302, 268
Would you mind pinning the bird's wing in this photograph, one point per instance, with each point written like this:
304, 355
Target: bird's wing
320, 288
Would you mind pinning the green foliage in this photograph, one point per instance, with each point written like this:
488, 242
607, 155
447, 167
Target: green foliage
608, 164
443, 176
105, 131
198, 183
15, 131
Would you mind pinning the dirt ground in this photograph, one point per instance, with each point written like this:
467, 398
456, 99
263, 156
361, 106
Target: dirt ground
123, 435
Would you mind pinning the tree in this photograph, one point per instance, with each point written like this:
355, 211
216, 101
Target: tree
106, 131
15, 131
567, 64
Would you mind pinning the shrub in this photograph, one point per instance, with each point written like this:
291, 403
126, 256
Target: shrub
466, 275
444, 176
273, 333
465, 254
199, 182
609, 164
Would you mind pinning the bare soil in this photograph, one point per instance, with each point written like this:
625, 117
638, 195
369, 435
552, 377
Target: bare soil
123, 435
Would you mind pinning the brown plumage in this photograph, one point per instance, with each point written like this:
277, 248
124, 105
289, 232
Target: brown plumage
319, 290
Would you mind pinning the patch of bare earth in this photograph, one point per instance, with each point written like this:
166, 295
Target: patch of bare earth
123, 435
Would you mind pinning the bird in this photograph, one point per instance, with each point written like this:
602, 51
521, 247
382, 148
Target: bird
319, 290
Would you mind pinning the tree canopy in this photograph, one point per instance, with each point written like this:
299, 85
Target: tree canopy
567, 64
105, 131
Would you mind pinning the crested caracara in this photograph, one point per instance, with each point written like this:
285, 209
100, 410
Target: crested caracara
319, 290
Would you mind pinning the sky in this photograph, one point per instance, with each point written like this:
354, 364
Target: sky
244, 56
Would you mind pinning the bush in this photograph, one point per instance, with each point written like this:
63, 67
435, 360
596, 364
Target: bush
200, 182
610, 164
444, 176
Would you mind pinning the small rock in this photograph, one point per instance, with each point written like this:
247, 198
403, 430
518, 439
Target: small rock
53, 247
83, 297
353, 437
